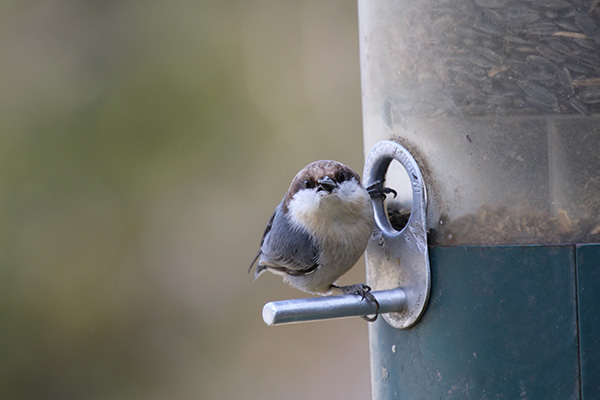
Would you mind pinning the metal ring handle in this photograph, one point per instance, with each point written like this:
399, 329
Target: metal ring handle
399, 259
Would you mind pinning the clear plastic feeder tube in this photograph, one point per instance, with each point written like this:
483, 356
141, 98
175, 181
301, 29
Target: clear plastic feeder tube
499, 101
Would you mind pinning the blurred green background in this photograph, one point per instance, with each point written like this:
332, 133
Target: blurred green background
144, 145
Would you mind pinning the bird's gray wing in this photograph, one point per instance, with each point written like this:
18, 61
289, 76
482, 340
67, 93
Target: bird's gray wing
286, 248
262, 241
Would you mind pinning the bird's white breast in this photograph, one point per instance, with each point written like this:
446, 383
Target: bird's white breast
345, 214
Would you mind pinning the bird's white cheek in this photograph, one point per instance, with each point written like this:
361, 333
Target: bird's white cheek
303, 207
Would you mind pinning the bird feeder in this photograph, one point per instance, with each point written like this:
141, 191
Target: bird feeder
498, 104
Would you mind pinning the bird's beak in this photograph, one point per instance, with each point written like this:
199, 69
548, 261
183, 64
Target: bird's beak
326, 184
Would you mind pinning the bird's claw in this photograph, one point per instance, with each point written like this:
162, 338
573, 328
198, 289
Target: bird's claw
377, 190
364, 291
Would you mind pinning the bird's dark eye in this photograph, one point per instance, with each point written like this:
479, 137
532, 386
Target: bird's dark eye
307, 184
341, 177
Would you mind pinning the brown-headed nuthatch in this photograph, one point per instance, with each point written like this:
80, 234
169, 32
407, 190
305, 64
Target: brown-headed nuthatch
320, 229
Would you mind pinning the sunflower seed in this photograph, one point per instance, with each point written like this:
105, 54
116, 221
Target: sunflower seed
491, 3
579, 106
564, 77
539, 95
586, 24
543, 28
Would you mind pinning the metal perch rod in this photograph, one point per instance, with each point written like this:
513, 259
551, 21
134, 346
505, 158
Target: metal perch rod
318, 308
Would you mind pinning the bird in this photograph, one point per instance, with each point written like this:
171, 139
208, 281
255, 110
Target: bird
320, 229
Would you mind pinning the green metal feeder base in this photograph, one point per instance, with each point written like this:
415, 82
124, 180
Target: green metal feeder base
503, 322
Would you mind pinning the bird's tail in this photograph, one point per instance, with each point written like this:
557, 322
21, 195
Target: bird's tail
259, 268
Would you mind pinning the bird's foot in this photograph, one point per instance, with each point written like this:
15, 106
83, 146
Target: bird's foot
377, 190
364, 291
